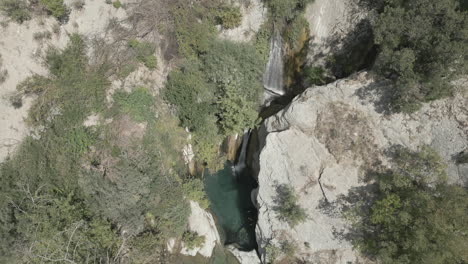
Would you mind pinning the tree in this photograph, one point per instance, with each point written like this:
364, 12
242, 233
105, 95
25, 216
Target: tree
287, 207
235, 111
286, 10
416, 216
422, 48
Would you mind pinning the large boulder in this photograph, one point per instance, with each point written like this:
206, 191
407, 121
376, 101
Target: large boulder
319, 145
202, 222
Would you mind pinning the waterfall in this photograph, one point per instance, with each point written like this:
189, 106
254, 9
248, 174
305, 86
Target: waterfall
273, 76
240, 165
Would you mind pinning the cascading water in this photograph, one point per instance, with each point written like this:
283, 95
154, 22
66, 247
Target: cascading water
229, 191
273, 76
240, 165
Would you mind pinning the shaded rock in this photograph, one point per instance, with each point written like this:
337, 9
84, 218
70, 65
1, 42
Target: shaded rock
245, 257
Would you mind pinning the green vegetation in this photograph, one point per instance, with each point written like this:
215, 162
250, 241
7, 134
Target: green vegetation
192, 239
287, 207
272, 252
144, 52
42, 35
117, 4
70, 191
415, 217
286, 10
3, 73
139, 104
17, 10
217, 88
229, 17
314, 75
55, 7
422, 52
194, 190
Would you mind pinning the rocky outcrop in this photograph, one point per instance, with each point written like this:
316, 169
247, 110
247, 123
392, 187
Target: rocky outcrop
321, 142
333, 24
245, 257
253, 15
203, 223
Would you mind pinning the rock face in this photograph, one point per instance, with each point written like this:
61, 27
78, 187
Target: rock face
244, 257
203, 223
253, 15
333, 23
319, 143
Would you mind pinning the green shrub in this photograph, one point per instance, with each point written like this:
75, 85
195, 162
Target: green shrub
314, 75
288, 248
420, 51
236, 64
42, 35
3, 73
195, 191
144, 52
229, 17
272, 252
287, 207
55, 7
192, 240
415, 217
117, 4
262, 43
286, 10
235, 111
15, 9
139, 104
193, 37
192, 95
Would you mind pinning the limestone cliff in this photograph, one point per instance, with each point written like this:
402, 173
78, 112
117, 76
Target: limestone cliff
321, 141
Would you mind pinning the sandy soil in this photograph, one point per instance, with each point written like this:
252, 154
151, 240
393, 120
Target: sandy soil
21, 58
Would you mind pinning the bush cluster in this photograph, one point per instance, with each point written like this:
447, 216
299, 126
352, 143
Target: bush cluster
421, 51
415, 216
192, 239
287, 207
217, 89
17, 10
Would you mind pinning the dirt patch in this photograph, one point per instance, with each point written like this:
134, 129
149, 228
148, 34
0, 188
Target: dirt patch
347, 134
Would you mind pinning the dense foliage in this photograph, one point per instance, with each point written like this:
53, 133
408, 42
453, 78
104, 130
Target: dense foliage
287, 206
192, 239
144, 52
415, 217
423, 46
216, 90
286, 10
74, 193
55, 7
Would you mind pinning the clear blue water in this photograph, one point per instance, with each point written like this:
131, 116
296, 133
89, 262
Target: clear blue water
231, 204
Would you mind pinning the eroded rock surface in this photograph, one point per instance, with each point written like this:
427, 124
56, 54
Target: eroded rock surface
333, 23
320, 145
203, 223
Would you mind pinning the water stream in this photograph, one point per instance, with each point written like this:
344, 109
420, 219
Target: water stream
229, 193
273, 76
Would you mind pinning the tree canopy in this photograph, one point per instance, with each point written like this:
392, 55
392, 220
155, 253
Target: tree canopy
415, 217
423, 47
